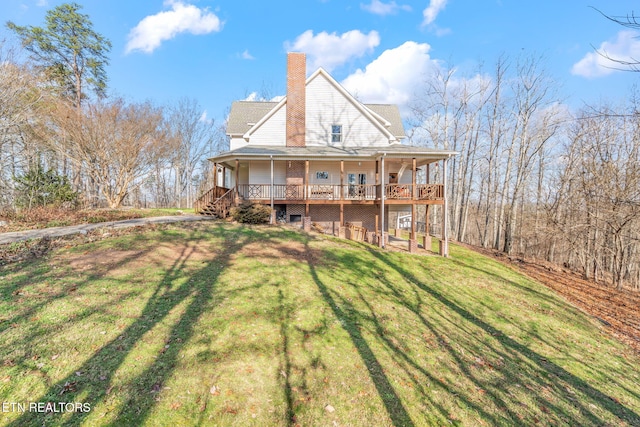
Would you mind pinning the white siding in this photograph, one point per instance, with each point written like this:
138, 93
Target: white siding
237, 143
406, 177
333, 168
260, 172
326, 106
273, 131
367, 168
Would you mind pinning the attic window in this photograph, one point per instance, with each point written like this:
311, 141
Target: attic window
336, 133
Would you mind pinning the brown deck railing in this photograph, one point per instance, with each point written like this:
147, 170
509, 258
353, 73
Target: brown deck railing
430, 191
340, 192
208, 198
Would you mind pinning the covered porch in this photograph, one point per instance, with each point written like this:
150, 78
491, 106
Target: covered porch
298, 178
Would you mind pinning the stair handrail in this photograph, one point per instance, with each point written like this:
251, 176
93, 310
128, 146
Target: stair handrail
208, 197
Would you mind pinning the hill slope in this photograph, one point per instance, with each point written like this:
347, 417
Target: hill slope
228, 325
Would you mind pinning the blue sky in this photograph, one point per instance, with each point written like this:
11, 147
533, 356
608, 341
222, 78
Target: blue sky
218, 51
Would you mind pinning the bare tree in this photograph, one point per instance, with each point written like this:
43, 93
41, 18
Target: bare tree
196, 137
20, 100
117, 143
627, 21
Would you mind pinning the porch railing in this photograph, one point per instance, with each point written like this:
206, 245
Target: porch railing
208, 197
340, 192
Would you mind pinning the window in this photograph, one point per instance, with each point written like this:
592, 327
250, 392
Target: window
336, 133
322, 175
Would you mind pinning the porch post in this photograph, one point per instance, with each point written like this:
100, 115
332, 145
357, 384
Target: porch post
341, 183
341, 194
382, 194
414, 196
215, 176
444, 244
237, 175
306, 186
413, 242
273, 214
377, 177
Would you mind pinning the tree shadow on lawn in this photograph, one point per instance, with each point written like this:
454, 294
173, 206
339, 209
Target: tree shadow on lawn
344, 312
548, 375
355, 323
96, 383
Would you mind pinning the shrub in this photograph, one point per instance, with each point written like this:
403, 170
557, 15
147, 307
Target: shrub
38, 187
251, 213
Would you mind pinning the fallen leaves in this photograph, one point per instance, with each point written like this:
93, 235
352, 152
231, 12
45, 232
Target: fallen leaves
68, 387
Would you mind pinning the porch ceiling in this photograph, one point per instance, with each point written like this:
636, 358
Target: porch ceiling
423, 155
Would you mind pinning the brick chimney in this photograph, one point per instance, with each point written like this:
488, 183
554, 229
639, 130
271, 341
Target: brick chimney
296, 99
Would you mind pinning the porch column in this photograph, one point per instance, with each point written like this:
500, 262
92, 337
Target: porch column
273, 213
444, 243
413, 242
237, 175
215, 176
306, 187
382, 194
341, 193
341, 179
377, 177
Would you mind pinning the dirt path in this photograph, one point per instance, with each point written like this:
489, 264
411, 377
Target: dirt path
618, 311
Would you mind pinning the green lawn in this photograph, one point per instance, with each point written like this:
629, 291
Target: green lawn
219, 324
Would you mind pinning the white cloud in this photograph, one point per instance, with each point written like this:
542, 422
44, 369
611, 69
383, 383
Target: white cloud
392, 78
246, 55
432, 11
332, 50
379, 8
42, 3
625, 47
154, 29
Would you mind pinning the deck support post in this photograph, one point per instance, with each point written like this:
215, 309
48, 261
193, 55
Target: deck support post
381, 242
444, 243
414, 197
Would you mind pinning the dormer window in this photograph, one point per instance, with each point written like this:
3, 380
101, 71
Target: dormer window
336, 133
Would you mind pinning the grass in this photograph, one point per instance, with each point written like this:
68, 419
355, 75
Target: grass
218, 324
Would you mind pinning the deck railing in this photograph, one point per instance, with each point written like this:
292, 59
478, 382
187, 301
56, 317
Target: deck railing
340, 192
208, 198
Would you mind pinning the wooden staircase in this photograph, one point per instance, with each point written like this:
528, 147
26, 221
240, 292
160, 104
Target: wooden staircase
216, 202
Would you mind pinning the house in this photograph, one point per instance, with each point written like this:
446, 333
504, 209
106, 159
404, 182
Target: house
319, 155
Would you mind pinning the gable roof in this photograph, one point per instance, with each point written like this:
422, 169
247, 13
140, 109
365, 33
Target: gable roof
247, 116
391, 114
